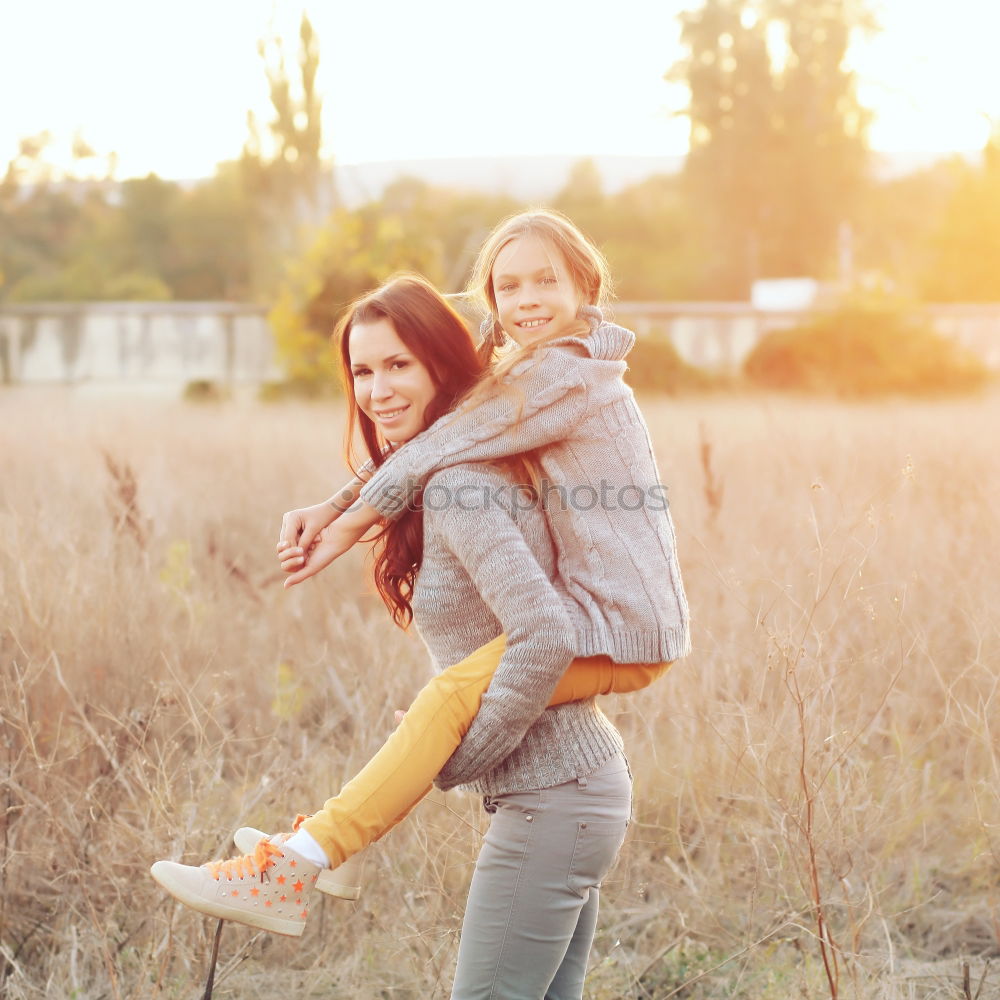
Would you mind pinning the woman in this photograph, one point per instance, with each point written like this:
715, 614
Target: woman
475, 563
558, 821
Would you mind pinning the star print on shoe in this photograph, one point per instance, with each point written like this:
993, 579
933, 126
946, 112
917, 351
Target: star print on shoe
246, 889
344, 882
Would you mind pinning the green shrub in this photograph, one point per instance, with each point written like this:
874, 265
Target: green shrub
654, 365
864, 351
87, 281
204, 390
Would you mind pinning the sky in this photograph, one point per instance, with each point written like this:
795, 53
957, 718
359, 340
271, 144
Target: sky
167, 85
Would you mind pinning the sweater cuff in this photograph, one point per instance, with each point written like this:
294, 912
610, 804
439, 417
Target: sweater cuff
382, 493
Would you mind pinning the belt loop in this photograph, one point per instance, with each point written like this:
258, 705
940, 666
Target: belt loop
582, 782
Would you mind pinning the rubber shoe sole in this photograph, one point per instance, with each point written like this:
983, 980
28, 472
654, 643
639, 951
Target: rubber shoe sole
276, 900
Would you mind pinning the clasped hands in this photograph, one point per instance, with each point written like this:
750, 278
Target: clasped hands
313, 537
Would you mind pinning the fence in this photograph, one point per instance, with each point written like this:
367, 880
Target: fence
171, 343
175, 343
718, 336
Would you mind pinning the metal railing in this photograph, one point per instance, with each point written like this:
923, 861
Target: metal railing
181, 342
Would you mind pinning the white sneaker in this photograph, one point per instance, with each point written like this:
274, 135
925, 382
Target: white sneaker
267, 888
344, 881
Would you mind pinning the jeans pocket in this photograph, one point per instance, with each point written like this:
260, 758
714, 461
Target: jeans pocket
597, 845
528, 802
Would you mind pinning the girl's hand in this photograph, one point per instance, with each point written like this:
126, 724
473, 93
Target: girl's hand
399, 716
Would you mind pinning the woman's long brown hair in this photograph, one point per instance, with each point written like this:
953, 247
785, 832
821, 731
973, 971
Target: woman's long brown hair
439, 338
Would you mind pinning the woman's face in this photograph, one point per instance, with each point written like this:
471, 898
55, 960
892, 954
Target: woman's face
534, 292
392, 386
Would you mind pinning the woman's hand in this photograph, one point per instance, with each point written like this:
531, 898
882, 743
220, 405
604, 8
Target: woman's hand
299, 528
306, 550
293, 557
301, 564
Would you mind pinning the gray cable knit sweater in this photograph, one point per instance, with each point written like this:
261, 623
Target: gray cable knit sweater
489, 568
606, 509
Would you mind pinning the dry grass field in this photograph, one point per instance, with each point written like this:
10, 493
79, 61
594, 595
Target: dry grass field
818, 790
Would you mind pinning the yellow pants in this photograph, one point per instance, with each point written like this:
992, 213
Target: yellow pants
402, 771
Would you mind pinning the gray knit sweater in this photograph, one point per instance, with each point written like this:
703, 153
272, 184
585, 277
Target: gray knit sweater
606, 508
489, 568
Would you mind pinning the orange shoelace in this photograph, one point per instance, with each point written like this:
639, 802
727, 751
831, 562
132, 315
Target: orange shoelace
250, 865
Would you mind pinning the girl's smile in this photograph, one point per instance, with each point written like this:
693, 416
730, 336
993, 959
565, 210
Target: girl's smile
536, 298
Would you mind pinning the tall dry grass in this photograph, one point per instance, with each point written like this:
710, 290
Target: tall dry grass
817, 786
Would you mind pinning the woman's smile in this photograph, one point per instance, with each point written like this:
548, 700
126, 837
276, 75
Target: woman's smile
383, 416
392, 386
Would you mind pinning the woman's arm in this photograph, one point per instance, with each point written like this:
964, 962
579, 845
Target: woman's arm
300, 527
331, 543
306, 544
541, 642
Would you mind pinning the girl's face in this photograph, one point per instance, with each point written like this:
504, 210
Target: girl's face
535, 295
392, 386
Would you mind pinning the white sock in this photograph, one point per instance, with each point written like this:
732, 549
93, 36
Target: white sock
307, 845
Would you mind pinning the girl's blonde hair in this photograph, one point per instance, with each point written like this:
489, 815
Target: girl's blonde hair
585, 264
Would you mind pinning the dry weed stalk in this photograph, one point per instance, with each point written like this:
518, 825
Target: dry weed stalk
815, 764
791, 783
232, 567
124, 500
967, 981
711, 486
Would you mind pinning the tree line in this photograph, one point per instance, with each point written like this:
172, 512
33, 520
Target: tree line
779, 181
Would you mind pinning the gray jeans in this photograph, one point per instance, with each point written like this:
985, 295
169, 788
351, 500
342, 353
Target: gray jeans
532, 907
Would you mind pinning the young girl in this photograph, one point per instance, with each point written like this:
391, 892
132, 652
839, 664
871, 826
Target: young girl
561, 397
621, 591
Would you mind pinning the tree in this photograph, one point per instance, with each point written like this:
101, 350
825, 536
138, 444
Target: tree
896, 241
61, 233
412, 227
211, 234
654, 247
964, 251
32, 221
288, 185
147, 209
778, 154
644, 230
582, 198
70, 238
